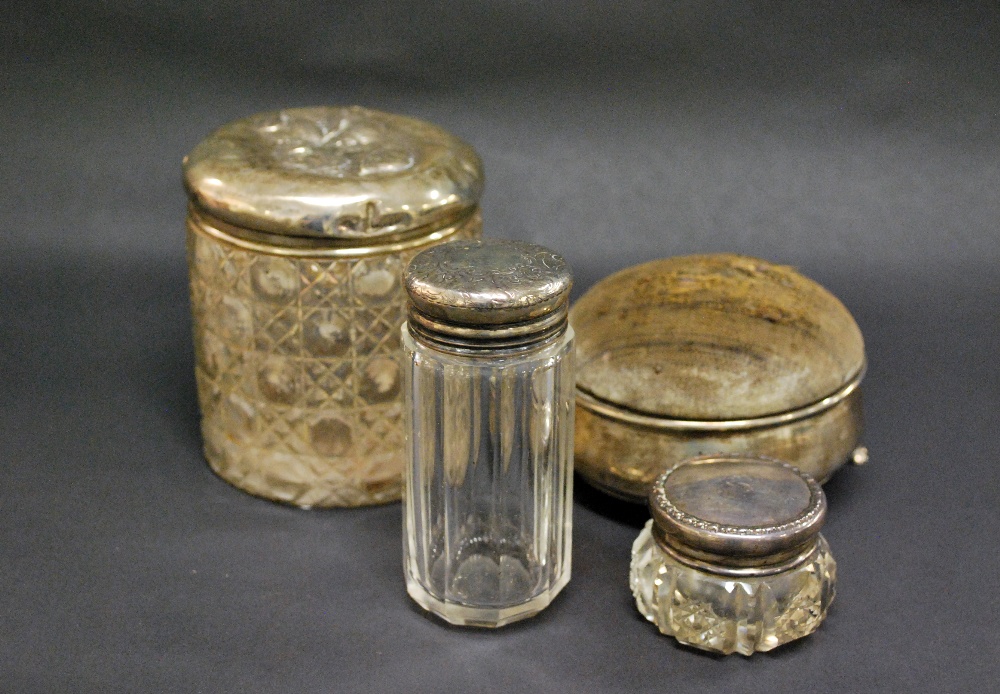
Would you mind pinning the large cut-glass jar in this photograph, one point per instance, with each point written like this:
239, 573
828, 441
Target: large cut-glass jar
732, 560
489, 474
299, 226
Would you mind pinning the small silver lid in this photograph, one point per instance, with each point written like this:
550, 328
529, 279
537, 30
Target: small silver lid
493, 293
737, 514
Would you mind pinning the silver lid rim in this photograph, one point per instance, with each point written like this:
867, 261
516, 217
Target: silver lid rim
609, 410
454, 337
787, 562
305, 247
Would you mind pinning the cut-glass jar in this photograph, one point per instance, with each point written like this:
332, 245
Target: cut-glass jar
732, 560
489, 386
299, 226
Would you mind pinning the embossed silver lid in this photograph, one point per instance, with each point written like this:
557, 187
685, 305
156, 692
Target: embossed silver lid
337, 173
490, 293
739, 514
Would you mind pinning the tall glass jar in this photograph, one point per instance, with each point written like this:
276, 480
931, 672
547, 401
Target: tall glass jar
299, 226
489, 431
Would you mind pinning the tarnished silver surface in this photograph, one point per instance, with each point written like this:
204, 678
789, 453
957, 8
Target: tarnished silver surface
495, 291
712, 353
738, 511
345, 173
299, 225
714, 337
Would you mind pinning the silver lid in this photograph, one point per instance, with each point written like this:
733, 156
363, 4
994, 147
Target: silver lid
737, 514
492, 293
345, 174
713, 342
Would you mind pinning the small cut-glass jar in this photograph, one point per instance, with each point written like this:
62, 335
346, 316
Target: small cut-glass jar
299, 225
489, 386
732, 560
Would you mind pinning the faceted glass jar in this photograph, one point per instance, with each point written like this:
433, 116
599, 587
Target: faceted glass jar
728, 614
300, 224
732, 560
489, 431
491, 480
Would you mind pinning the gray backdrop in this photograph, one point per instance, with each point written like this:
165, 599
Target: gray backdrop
855, 140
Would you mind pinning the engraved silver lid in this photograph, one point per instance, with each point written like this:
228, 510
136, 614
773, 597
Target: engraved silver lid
339, 174
493, 293
737, 514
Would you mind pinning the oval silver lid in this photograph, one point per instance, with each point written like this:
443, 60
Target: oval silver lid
344, 173
742, 512
493, 292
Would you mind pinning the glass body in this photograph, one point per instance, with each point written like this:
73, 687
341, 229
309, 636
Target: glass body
296, 360
726, 614
489, 476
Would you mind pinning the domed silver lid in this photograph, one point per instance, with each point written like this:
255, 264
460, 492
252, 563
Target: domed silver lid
713, 342
346, 174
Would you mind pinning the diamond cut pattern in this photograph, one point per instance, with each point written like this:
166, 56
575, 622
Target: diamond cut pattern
296, 340
727, 615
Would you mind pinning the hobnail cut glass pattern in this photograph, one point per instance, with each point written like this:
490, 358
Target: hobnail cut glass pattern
297, 365
726, 614
488, 510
